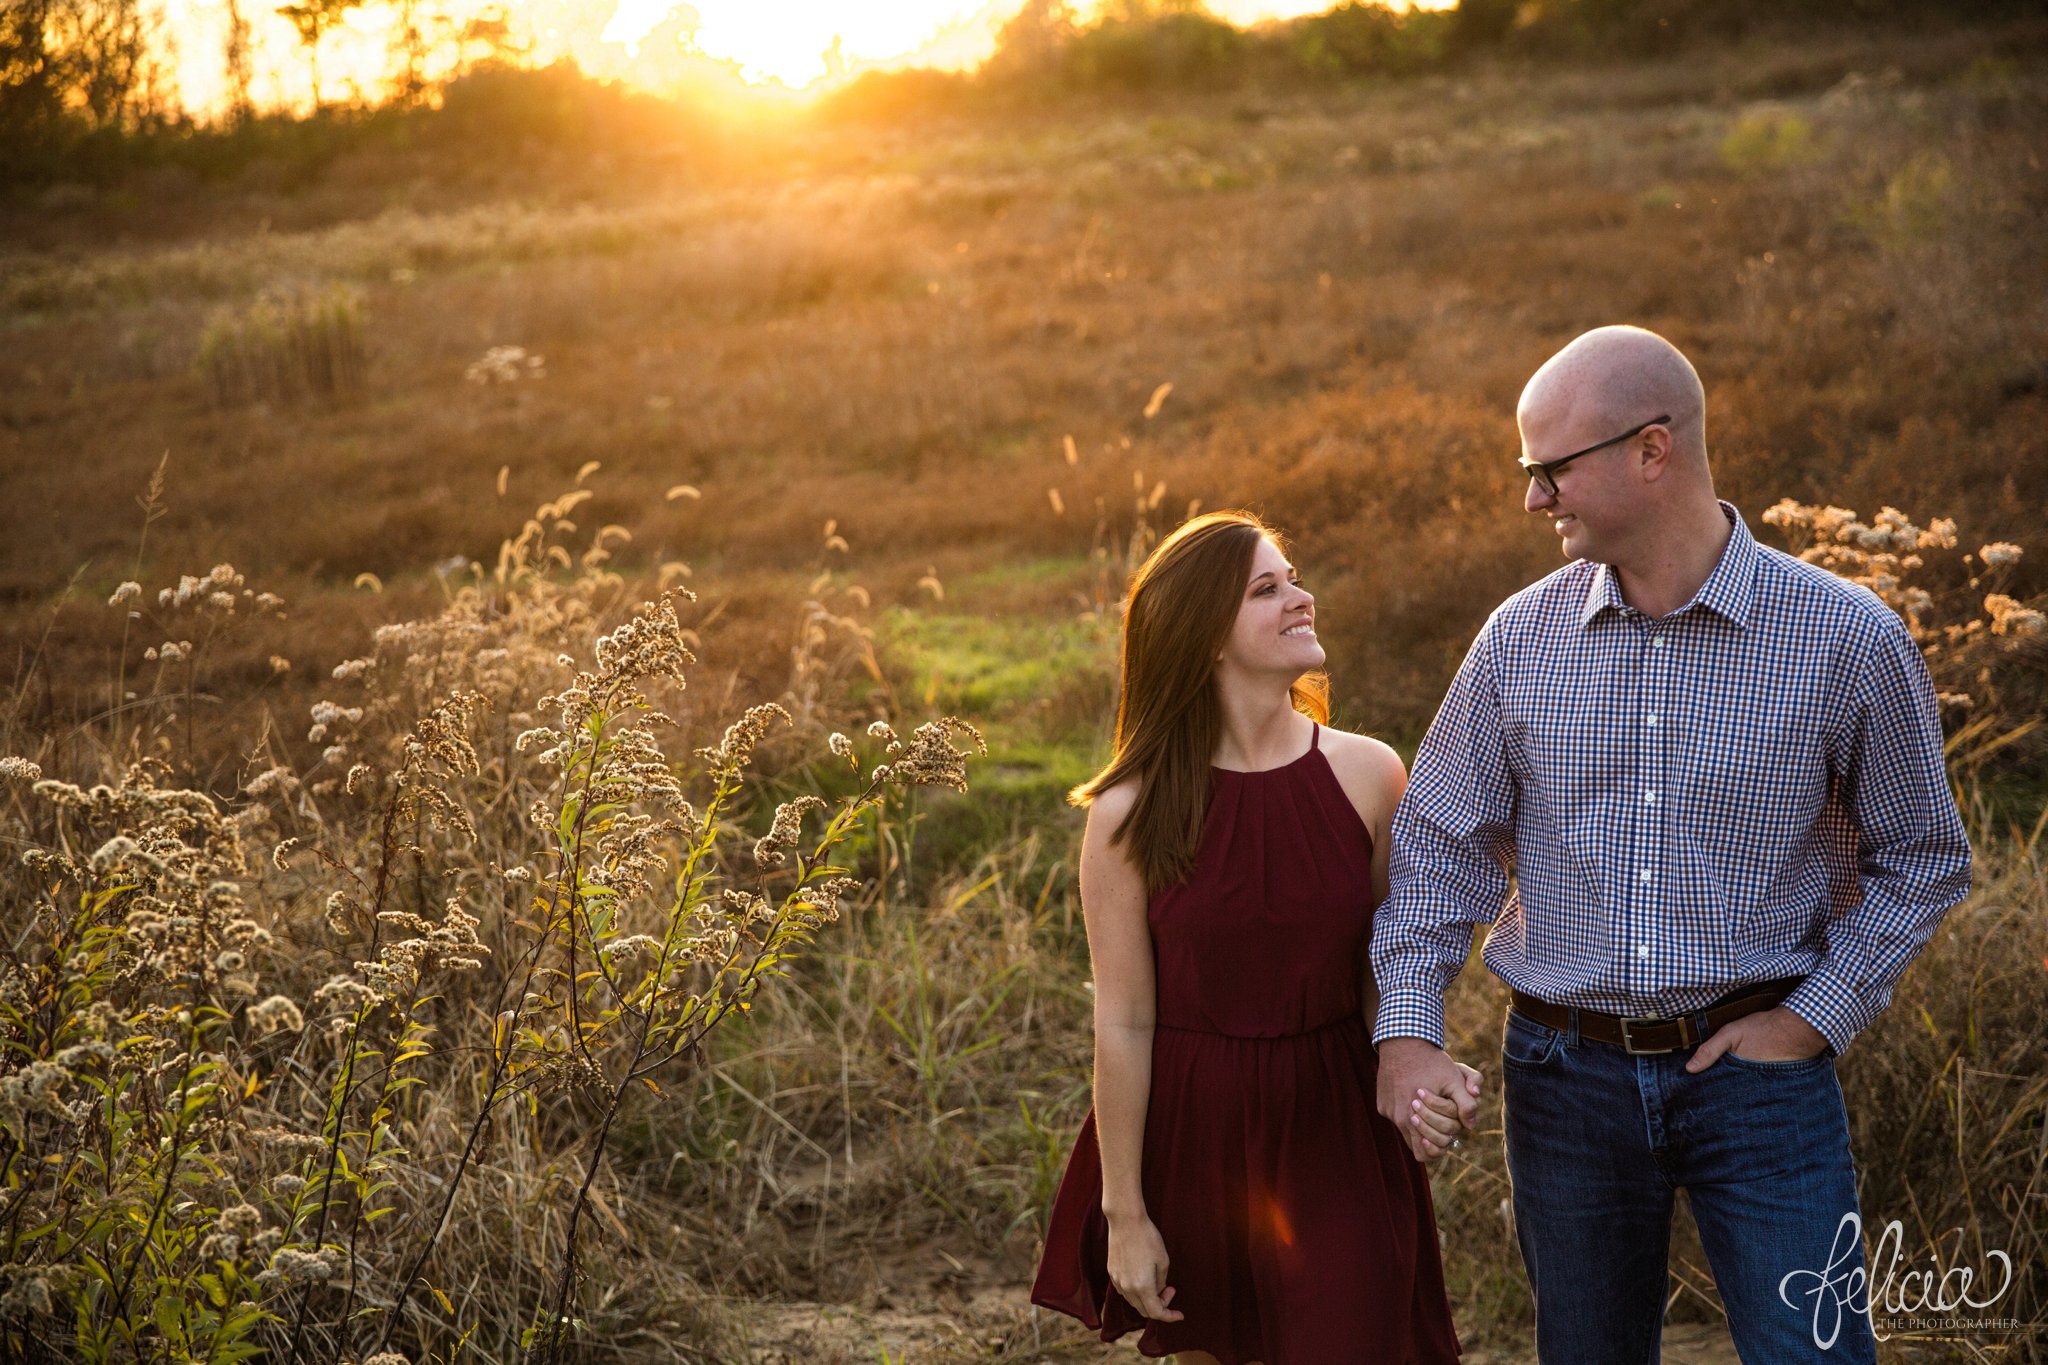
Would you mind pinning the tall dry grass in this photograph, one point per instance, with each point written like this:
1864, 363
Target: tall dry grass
285, 348
1345, 291
267, 1051
460, 1037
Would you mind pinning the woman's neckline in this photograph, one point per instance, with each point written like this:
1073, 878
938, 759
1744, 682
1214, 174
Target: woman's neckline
1315, 737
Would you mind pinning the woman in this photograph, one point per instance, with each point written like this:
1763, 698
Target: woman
1235, 1192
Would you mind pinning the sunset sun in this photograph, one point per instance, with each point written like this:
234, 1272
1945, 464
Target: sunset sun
661, 46
799, 41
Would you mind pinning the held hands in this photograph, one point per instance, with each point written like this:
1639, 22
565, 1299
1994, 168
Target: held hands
1426, 1095
1434, 1123
1137, 1267
1772, 1035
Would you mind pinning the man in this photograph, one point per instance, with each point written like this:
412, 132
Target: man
1715, 773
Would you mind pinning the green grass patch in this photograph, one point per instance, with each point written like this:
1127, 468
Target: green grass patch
1043, 689
1025, 676
1052, 571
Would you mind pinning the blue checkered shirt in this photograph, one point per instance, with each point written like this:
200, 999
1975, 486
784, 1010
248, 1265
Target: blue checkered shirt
1653, 812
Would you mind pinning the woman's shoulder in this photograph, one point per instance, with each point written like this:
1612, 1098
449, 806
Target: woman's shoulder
1368, 756
1109, 811
1369, 770
1108, 807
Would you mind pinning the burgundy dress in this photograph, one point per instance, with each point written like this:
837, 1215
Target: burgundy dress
1298, 1228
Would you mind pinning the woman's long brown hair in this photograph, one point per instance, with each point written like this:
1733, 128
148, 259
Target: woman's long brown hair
1181, 608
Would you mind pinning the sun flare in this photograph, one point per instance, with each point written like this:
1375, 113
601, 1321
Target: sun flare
797, 42
658, 45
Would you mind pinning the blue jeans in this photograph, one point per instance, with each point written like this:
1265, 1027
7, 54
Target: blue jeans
1598, 1140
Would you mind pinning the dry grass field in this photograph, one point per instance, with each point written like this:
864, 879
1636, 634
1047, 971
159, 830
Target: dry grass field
899, 399
896, 327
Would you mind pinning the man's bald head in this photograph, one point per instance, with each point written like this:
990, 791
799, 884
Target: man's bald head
1608, 380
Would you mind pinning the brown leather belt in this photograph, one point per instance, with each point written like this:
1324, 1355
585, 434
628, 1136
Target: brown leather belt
1642, 1035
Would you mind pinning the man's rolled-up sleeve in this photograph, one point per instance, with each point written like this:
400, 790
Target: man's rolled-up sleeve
1913, 856
1453, 847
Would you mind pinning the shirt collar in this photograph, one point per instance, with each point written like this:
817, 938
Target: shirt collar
1727, 592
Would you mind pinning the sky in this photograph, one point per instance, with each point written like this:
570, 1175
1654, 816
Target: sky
790, 44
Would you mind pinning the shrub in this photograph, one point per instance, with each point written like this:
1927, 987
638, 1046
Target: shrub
205, 1153
1178, 49
285, 347
1768, 141
1355, 39
1983, 647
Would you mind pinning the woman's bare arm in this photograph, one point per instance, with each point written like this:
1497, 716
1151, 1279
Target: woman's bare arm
1113, 904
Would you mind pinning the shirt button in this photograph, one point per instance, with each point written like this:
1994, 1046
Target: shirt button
1649, 798
1644, 877
1657, 642
1650, 720
1643, 951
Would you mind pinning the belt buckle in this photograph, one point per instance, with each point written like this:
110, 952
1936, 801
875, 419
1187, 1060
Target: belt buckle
1628, 1042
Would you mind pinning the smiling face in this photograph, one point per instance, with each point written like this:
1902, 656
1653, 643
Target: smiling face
1275, 627
1597, 507
1621, 503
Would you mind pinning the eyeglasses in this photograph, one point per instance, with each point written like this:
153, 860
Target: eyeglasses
1545, 471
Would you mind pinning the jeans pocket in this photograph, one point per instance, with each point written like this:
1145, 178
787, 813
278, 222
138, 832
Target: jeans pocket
1528, 1043
1794, 1066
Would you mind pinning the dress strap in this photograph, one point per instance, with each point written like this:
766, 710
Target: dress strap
1315, 733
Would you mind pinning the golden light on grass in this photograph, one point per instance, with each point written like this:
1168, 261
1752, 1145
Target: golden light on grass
1338, 291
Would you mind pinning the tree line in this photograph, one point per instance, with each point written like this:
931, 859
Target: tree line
86, 91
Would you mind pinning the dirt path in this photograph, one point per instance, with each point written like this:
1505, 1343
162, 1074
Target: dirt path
994, 1324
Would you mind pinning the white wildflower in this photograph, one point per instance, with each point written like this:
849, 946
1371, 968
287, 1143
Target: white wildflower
280, 780
278, 1012
2010, 617
77, 1055
505, 365
2000, 553
242, 1219
115, 851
